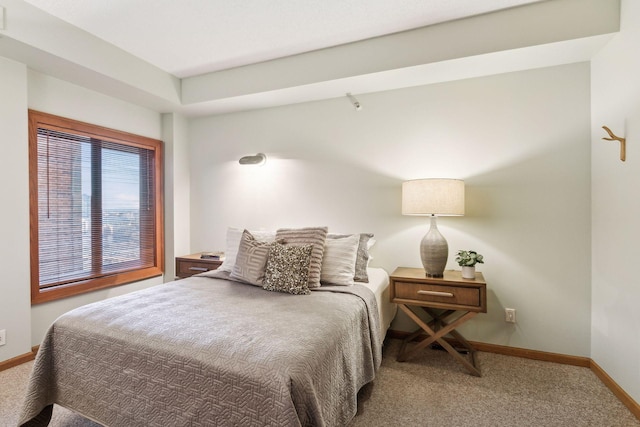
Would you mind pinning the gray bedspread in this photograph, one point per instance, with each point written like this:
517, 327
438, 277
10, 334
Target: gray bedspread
209, 352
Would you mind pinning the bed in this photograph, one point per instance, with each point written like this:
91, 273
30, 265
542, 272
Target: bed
208, 351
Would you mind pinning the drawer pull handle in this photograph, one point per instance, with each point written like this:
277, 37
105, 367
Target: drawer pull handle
436, 294
198, 269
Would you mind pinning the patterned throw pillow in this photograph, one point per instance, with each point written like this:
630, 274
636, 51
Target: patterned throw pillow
288, 269
314, 236
251, 260
234, 235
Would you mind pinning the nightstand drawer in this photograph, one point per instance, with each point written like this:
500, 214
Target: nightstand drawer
455, 295
189, 265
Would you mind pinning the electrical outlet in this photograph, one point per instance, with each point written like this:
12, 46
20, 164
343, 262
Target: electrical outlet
3, 336
510, 315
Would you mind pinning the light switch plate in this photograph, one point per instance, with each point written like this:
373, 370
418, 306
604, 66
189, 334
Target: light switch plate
1, 18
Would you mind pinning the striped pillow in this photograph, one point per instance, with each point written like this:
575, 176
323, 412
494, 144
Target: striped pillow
363, 258
251, 260
339, 261
314, 236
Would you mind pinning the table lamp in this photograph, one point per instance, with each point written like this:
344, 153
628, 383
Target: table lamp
433, 197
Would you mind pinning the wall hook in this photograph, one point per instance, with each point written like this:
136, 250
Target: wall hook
623, 143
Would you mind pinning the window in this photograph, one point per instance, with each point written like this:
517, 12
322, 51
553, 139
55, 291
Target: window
96, 207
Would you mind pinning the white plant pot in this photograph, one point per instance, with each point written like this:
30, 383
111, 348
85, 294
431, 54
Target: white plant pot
469, 272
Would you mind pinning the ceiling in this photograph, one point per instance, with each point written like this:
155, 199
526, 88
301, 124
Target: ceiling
207, 57
193, 37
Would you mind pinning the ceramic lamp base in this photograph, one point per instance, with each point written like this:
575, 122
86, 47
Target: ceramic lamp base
434, 251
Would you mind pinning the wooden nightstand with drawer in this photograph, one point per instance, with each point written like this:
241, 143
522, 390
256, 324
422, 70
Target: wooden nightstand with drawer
439, 298
188, 265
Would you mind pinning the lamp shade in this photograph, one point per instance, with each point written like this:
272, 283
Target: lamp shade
435, 196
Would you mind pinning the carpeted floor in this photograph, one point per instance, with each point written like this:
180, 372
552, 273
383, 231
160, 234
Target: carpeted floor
433, 390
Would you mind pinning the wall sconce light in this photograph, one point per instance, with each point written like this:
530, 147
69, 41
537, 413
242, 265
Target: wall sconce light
258, 159
433, 197
354, 102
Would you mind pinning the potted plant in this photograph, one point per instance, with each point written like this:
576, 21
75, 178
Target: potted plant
468, 260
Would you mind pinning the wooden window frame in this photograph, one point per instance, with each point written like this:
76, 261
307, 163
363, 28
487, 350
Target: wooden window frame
40, 295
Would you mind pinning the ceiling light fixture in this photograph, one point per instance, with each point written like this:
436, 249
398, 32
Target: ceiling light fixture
258, 159
355, 102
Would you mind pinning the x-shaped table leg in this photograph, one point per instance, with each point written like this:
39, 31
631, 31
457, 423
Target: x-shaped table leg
437, 336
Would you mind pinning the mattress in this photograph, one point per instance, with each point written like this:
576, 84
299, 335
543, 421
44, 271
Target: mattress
379, 284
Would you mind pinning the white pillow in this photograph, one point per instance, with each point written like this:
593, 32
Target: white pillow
370, 244
363, 257
339, 260
233, 243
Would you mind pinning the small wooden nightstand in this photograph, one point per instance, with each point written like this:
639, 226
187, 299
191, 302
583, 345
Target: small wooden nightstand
451, 293
188, 265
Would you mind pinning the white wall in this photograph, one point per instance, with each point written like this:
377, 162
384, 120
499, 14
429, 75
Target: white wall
616, 206
14, 227
176, 190
55, 96
520, 140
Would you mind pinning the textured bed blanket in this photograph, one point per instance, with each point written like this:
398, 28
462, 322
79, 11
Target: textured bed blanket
209, 352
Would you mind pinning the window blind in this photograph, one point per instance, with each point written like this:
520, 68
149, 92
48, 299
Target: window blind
96, 203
